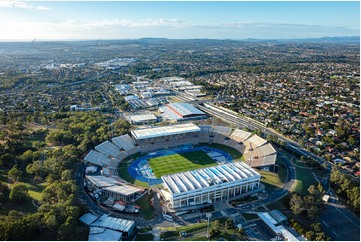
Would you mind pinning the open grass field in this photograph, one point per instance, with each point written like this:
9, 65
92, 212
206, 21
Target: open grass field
270, 179
171, 164
27, 206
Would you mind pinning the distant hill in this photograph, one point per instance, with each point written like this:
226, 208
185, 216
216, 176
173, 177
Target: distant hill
43, 44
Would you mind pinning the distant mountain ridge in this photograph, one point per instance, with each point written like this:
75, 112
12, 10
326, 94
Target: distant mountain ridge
157, 41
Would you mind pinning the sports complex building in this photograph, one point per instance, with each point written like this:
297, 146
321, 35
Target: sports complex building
181, 111
216, 182
209, 184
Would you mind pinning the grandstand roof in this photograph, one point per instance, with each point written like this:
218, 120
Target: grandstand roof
185, 109
206, 177
164, 131
258, 141
97, 158
108, 149
123, 189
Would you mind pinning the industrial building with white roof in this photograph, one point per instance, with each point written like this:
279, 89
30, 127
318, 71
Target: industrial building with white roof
209, 184
113, 188
141, 118
181, 111
106, 227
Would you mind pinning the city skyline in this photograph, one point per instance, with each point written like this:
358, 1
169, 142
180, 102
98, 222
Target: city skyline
27, 20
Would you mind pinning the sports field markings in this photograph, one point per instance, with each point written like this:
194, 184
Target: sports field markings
170, 164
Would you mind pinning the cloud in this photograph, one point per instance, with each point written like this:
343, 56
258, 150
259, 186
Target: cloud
167, 28
42, 8
19, 4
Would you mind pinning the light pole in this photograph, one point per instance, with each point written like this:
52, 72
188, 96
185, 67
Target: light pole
208, 215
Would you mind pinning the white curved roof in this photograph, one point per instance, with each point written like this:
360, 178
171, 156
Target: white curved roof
164, 131
210, 176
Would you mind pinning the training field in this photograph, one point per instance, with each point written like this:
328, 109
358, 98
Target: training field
170, 164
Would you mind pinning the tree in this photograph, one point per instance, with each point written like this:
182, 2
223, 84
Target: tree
229, 223
312, 190
316, 227
66, 175
351, 140
296, 204
4, 192
354, 197
15, 174
321, 237
215, 227
310, 235
320, 188
310, 206
19, 193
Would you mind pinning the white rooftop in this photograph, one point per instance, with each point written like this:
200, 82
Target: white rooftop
211, 176
164, 131
88, 218
123, 189
102, 181
105, 221
287, 234
142, 117
102, 234
185, 109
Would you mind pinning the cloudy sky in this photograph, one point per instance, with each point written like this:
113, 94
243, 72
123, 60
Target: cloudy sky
27, 20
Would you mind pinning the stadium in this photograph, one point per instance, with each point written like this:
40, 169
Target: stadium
188, 161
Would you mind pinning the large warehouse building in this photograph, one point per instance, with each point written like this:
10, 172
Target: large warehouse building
182, 111
210, 184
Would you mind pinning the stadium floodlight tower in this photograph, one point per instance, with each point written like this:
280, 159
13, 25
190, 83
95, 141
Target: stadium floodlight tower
250, 155
208, 216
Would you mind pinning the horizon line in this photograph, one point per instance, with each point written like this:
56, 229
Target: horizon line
164, 38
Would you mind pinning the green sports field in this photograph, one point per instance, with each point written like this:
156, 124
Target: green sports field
171, 164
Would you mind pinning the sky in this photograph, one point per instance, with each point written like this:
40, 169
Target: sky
68, 20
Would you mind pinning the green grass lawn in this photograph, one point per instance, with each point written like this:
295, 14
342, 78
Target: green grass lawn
171, 164
304, 180
270, 179
282, 173
193, 227
34, 193
304, 177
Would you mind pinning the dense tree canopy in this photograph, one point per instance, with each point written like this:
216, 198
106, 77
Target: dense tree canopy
50, 155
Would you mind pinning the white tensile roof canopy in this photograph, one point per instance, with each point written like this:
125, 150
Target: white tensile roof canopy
164, 131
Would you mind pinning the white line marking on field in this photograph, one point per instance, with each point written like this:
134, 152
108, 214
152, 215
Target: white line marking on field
335, 233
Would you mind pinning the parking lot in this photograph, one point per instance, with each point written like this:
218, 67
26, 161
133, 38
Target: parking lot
340, 224
258, 230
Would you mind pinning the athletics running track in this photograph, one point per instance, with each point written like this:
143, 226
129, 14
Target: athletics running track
133, 168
